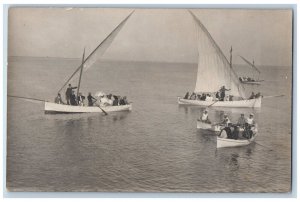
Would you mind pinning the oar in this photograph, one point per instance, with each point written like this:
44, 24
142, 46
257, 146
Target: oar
28, 98
270, 96
213, 103
103, 110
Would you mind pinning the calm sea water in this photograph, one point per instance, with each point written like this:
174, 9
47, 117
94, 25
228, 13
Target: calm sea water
154, 148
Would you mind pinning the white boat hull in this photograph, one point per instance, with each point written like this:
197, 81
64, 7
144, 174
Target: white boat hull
252, 82
255, 103
61, 108
225, 142
207, 126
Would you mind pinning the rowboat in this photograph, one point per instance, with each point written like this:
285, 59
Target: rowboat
225, 142
215, 71
85, 64
208, 126
60, 108
255, 103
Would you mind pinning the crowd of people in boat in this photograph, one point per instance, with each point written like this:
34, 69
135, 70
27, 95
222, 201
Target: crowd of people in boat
242, 128
218, 96
246, 78
80, 100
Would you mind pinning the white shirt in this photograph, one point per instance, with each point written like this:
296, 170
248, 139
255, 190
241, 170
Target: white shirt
250, 121
204, 117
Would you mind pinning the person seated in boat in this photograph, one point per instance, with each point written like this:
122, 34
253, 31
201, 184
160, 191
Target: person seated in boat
241, 121
250, 120
187, 95
69, 93
234, 132
258, 95
203, 96
193, 96
252, 96
248, 132
124, 101
80, 99
58, 99
110, 101
240, 78
208, 97
225, 133
198, 97
217, 96
73, 100
226, 121
116, 101
222, 92
204, 118
226, 98
91, 100
103, 101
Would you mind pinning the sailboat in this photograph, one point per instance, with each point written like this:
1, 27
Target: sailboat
214, 71
248, 80
86, 63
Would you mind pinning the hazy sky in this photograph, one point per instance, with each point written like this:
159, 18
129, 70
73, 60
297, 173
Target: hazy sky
151, 34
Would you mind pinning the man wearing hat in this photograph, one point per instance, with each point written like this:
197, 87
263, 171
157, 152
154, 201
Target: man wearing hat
69, 93
204, 117
226, 120
241, 121
250, 120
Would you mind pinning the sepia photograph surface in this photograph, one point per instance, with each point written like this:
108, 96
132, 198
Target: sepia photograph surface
149, 100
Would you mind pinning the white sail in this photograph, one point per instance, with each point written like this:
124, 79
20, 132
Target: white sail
214, 70
97, 52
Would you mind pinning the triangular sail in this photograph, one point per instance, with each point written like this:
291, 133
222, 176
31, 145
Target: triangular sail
98, 52
251, 65
213, 67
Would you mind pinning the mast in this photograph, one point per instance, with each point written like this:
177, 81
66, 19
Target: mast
230, 63
80, 74
98, 51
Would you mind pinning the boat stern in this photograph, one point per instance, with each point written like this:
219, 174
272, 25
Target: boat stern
257, 103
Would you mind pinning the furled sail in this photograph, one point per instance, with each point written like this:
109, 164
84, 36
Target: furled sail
214, 70
251, 65
97, 52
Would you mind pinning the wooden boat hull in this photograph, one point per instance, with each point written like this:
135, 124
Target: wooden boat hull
208, 127
255, 103
60, 108
225, 142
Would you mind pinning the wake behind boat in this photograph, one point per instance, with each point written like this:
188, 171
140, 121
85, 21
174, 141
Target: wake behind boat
215, 74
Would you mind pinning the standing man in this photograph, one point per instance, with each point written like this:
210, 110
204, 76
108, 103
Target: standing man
222, 93
69, 93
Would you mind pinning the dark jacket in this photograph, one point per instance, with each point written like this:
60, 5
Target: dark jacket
69, 91
73, 99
